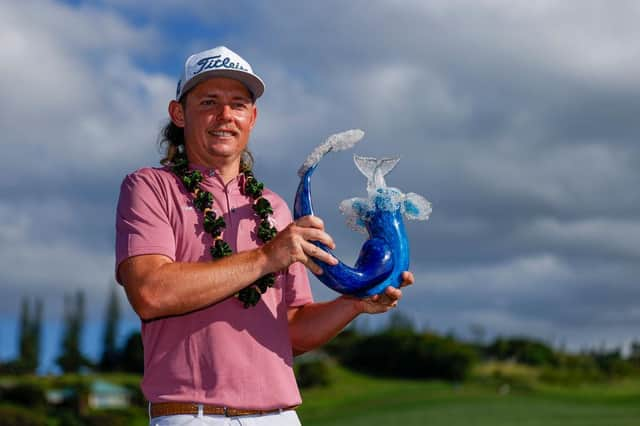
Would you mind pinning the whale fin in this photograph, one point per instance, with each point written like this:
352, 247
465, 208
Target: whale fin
354, 210
375, 170
336, 142
415, 207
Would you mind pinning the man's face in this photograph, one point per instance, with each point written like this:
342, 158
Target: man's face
219, 115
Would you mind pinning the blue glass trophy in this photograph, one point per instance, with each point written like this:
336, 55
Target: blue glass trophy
385, 254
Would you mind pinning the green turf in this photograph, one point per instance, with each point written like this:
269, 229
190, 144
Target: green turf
353, 399
358, 400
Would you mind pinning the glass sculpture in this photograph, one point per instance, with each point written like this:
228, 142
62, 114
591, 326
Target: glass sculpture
385, 254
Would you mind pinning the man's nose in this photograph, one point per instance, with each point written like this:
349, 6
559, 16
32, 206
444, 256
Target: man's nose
225, 111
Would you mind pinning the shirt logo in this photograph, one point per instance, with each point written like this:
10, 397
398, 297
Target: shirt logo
213, 62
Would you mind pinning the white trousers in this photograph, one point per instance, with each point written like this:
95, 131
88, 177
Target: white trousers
284, 418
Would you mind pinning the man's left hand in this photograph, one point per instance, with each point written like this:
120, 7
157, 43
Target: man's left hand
385, 301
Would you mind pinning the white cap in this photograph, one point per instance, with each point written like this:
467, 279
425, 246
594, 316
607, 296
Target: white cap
218, 62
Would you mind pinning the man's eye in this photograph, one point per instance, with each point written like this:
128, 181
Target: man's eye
207, 102
239, 105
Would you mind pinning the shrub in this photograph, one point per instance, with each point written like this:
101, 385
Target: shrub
26, 394
407, 354
107, 418
66, 417
612, 364
17, 416
341, 345
569, 376
523, 350
312, 373
137, 398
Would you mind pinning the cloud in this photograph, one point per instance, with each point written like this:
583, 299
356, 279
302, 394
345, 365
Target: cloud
595, 236
517, 120
78, 113
76, 97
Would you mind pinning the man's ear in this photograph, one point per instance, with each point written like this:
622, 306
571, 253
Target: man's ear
254, 117
176, 113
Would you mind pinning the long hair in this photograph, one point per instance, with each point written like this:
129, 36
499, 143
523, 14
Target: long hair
171, 142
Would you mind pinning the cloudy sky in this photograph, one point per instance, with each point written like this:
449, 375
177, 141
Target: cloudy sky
518, 120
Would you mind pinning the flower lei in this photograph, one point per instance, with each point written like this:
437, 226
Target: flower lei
213, 224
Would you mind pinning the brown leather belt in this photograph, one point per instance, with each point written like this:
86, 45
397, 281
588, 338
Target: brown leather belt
159, 409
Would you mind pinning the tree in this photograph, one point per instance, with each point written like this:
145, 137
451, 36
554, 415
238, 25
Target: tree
25, 318
399, 321
110, 356
29, 337
36, 333
72, 360
132, 357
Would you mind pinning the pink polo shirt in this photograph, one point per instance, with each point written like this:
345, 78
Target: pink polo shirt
225, 354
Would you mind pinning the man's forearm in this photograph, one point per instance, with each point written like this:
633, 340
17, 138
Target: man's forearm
313, 325
157, 287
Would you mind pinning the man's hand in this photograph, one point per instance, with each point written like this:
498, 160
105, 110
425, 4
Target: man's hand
293, 244
385, 301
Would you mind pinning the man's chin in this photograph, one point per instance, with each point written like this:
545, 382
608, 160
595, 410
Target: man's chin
222, 153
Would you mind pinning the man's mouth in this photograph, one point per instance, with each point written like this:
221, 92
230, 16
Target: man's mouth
221, 133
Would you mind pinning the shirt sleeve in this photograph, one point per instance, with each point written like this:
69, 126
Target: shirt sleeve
142, 223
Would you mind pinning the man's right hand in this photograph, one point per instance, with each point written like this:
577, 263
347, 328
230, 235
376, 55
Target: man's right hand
293, 244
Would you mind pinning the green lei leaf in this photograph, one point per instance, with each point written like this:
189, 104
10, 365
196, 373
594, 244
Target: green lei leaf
250, 296
180, 165
263, 207
253, 188
191, 180
265, 282
213, 225
204, 200
220, 249
266, 232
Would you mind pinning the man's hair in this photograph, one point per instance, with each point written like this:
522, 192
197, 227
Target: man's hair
171, 141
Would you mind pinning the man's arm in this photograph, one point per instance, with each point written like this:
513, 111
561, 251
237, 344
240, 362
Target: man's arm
314, 324
158, 287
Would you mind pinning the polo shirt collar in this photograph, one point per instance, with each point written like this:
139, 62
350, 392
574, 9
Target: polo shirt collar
211, 177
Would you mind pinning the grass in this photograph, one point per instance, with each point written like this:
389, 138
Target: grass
359, 400
498, 394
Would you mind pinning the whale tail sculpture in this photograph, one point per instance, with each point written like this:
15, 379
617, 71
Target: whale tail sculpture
375, 170
385, 255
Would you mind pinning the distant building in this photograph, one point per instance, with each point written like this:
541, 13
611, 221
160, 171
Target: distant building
101, 395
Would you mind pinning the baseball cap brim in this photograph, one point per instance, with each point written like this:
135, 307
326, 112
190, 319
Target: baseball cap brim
252, 82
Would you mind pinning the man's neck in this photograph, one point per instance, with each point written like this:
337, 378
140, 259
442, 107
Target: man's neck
227, 172
226, 168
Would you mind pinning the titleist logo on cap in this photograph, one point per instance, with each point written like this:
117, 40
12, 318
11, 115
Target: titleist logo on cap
218, 62
213, 62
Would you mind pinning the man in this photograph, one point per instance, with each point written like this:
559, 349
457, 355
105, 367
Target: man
209, 356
